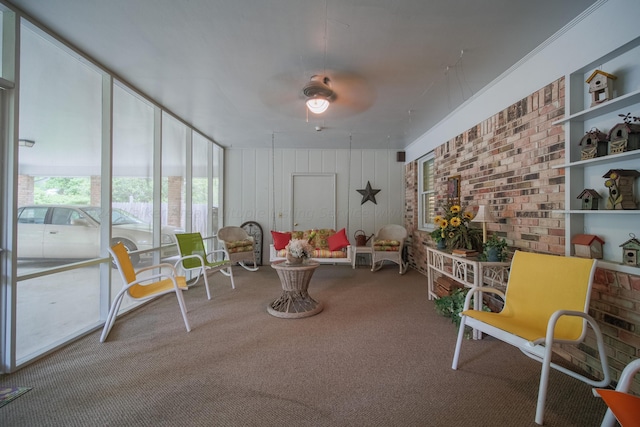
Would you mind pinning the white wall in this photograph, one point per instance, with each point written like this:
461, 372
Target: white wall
599, 30
254, 192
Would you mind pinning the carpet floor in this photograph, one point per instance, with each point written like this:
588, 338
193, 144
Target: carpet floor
377, 355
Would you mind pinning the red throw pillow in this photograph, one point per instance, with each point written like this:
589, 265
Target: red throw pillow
280, 240
338, 241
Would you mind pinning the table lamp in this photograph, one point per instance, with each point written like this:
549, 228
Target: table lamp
483, 216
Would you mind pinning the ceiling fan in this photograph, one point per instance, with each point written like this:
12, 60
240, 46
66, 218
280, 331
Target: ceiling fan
318, 94
340, 94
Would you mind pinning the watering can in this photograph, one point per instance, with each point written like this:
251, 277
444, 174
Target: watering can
361, 238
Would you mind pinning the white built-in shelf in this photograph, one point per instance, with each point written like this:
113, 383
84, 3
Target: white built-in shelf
623, 268
599, 211
610, 106
612, 225
627, 155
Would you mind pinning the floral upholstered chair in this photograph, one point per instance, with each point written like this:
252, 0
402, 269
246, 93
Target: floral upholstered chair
388, 244
239, 245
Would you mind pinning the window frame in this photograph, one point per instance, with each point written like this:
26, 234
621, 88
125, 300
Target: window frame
425, 219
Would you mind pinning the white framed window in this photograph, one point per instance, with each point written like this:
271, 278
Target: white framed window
426, 192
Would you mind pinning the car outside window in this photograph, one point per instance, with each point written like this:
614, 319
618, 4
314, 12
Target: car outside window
61, 216
33, 215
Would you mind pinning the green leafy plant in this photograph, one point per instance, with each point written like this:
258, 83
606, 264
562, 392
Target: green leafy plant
452, 305
495, 244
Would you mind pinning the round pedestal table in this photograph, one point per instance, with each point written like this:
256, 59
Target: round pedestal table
294, 302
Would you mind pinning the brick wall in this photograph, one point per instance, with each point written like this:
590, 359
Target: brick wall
96, 190
174, 196
25, 190
504, 163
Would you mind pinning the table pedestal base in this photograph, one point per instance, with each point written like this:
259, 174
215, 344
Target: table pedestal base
293, 305
294, 302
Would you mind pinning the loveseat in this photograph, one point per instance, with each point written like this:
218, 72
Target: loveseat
330, 247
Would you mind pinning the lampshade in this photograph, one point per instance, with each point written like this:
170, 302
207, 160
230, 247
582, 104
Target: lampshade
483, 215
317, 105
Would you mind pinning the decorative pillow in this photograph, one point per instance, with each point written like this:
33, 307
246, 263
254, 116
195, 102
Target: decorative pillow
280, 240
338, 241
239, 244
386, 243
321, 240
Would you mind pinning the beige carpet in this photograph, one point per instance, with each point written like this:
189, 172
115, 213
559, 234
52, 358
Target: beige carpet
377, 355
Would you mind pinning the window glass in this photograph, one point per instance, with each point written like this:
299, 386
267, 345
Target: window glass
32, 215
132, 192
218, 159
62, 123
174, 172
1, 40
200, 186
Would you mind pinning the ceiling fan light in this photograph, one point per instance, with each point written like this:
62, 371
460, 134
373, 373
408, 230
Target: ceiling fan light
317, 105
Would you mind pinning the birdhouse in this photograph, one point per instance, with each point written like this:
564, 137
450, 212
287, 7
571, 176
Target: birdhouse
620, 184
600, 86
624, 137
587, 246
594, 144
590, 199
630, 251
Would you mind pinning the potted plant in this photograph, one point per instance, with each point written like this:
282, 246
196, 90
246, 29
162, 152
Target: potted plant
438, 236
451, 306
495, 249
453, 226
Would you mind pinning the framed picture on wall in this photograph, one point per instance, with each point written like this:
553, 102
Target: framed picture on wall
453, 190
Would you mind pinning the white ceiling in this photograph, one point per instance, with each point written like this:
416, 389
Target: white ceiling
235, 69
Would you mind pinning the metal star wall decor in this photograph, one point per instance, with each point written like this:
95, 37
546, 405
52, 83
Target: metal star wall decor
368, 193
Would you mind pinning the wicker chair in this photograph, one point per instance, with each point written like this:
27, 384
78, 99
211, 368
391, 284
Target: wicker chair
239, 245
388, 245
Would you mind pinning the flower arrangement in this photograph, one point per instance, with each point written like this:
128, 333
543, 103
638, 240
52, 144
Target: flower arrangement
453, 227
299, 248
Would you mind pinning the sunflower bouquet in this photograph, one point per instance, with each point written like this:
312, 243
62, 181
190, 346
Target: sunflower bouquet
453, 227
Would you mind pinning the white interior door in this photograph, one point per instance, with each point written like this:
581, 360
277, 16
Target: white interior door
313, 201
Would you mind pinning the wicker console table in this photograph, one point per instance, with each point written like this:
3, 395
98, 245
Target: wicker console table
469, 272
294, 302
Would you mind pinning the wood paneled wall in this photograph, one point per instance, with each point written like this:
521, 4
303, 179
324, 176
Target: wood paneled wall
258, 187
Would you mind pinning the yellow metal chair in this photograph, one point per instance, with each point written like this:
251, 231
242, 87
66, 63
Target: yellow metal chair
546, 302
143, 288
388, 244
239, 245
194, 257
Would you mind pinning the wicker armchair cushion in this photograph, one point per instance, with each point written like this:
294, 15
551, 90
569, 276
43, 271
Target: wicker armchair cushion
240, 246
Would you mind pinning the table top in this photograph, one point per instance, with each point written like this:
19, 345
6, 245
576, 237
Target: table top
283, 265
